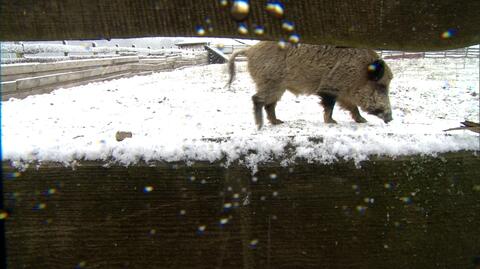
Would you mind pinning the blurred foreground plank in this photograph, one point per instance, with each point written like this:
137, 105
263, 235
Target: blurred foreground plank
408, 212
421, 25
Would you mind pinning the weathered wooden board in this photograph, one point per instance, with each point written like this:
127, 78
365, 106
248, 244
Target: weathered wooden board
412, 212
381, 24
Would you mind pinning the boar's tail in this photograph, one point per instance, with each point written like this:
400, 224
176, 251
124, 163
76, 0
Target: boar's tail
231, 65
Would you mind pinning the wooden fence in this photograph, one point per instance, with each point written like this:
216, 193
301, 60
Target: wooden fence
407, 212
468, 52
30, 52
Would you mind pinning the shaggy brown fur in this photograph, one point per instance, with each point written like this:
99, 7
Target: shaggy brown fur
335, 74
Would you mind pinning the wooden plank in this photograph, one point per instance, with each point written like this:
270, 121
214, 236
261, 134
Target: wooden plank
401, 25
409, 212
29, 69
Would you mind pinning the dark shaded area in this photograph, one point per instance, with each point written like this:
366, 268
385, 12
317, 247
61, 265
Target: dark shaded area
410, 212
421, 25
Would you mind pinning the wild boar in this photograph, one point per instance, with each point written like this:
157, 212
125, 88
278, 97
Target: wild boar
350, 76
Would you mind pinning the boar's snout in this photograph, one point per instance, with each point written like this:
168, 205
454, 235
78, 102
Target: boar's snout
387, 117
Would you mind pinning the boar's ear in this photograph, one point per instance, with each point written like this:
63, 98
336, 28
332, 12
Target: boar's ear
376, 70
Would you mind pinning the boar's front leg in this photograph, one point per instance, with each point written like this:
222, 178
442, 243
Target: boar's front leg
328, 102
353, 111
356, 115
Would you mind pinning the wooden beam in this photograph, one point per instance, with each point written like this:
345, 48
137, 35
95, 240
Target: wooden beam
408, 212
420, 25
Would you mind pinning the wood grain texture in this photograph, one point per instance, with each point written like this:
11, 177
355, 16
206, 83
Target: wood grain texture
380, 24
303, 216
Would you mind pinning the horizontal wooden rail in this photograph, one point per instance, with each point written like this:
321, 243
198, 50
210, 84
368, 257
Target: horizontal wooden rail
21, 80
406, 212
420, 25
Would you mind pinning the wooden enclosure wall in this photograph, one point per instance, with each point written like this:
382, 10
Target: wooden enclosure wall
410, 212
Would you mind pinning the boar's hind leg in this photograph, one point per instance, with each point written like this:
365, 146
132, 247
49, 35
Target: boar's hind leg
258, 104
328, 102
270, 108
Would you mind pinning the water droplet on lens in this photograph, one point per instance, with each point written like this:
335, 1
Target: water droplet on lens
183, 212
288, 26
369, 200
223, 221
294, 38
223, 3
14, 175
275, 194
236, 196
361, 209
273, 176
152, 232
3, 215
282, 44
227, 206
275, 8
40, 206
81, 265
51, 191
240, 9
201, 229
242, 28
372, 67
148, 189
259, 30
192, 178
254, 179
200, 30
253, 243
448, 34
407, 200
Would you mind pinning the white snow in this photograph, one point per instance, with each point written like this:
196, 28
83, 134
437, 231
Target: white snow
188, 115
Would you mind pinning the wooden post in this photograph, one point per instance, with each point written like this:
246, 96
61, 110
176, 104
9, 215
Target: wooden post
22, 53
94, 45
64, 42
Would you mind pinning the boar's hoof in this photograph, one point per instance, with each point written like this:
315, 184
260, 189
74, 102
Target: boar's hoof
360, 120
331, 121
276, 121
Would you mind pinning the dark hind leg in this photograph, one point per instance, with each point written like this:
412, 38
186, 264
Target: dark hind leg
328, 102
258, 104
270, 108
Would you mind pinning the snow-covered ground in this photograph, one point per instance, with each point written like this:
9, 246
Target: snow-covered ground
188, 115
